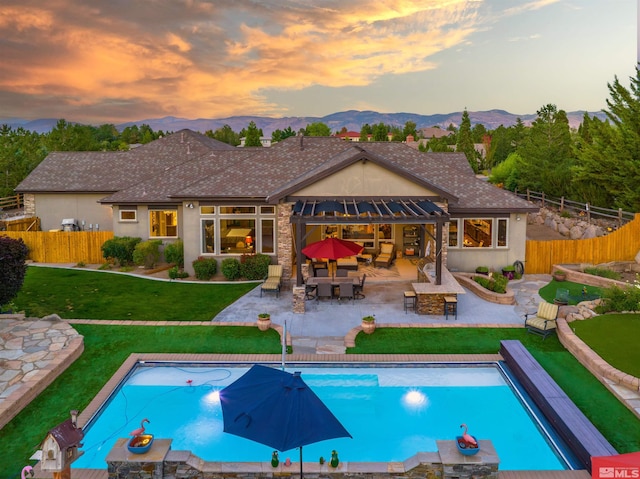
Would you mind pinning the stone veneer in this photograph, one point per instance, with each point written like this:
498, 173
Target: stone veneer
160, 462
431, 303
285, 241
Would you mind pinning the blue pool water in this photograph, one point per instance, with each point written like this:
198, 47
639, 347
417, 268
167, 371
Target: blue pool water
391, 412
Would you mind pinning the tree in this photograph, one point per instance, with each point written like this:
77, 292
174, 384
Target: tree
465, 142
279, 135
317, 129
13, 254
20, 152
409, 129
225, 134
365, 131
252, 135
608, 166
546, 154
380, 132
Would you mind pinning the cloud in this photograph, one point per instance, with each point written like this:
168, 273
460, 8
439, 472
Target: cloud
194, 58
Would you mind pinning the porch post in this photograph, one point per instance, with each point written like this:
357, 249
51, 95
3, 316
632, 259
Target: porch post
438, 247
301, 226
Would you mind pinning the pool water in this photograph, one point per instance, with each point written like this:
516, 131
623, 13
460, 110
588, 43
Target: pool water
391, 412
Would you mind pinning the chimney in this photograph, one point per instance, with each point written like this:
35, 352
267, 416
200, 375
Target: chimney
409, 138
301, 135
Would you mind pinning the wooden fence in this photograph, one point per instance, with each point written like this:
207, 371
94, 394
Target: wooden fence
62, 246
11, 202
621, 245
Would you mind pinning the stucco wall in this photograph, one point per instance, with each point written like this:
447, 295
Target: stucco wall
52, 208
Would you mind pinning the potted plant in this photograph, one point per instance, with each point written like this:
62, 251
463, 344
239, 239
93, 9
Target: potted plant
482, 270
509, 271
369, 324
559, 275
264, 321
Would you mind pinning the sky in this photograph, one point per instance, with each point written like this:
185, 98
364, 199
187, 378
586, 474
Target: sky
113, 61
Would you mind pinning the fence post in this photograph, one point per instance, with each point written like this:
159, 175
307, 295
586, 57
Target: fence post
528, 196
543, 199
561, 204
588, 213
619, 217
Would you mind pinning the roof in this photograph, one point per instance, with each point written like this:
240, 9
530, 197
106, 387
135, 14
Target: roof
190, 166
66, 434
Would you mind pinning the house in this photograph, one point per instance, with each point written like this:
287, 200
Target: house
224, 201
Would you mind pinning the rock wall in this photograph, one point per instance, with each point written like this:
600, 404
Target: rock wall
571, 227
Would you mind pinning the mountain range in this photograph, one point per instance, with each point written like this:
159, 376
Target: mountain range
351, 119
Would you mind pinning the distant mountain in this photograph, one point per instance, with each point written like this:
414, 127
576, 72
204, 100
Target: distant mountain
352, 120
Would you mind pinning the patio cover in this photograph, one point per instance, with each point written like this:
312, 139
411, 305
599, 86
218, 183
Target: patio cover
409, 210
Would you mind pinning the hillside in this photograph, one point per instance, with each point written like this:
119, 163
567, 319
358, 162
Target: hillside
351, 119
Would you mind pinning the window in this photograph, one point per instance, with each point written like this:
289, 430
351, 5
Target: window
237, 236
385, 232
208, 232
503, 230
238, 210
361, 233
453, 234
207, 210
477, 233
267, 236
128, 215
163, 223
267, 210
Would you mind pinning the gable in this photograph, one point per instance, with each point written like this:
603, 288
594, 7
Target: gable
364, 178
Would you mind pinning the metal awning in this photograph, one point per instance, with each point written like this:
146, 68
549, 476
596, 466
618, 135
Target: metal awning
372, 210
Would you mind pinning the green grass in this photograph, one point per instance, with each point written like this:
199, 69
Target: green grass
77, 294
609, 415
106, 347
614, 337
548, 292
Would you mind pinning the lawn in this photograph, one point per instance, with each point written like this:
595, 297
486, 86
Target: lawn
78, 294
548, 292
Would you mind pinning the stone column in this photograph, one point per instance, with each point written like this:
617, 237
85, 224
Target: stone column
284, 247
299, 298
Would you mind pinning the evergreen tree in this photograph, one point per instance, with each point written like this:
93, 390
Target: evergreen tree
252, 135
365, 131
546, 154
380, 132
409, 129
279, 135
465, 141
225, 134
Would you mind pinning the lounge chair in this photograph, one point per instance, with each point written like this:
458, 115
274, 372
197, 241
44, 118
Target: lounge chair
386, 256
543, 322
349, 262
273, 281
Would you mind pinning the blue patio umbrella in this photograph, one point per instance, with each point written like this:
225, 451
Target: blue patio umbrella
277, 409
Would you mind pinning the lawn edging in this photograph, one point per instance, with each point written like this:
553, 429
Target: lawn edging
598, 366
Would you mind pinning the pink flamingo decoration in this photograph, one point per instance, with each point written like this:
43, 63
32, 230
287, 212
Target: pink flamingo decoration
468, 438
140, 430
26, 470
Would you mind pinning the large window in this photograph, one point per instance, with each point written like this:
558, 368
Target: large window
361, 233
503, 229
267, 236
208, 236
454, 242
163, 223
478, 233
237, 236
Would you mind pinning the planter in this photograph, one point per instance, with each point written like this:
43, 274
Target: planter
464, 448
509, 273
368, 326
560, 276
264, 323
140, 444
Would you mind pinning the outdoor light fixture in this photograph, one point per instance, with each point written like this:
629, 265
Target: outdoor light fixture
190, 205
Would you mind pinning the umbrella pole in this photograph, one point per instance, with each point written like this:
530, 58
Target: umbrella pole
301, 477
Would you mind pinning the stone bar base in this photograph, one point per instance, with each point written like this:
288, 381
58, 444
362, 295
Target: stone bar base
432, 303
160, 462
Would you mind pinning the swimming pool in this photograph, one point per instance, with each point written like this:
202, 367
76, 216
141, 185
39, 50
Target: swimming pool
392, 412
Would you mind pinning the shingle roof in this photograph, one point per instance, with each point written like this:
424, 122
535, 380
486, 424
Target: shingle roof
188, 165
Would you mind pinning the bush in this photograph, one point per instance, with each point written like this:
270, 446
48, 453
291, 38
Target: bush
147, 253
120, 249
230, 268
603, 272
174, 253
254, 267
175, 273
205, 268
13, 254
482, 270
496, 282
617, 299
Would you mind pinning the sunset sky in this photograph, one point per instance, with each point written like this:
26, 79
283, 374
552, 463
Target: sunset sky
111, 61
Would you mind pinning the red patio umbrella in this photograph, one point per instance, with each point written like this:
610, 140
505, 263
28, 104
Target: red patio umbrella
332, 248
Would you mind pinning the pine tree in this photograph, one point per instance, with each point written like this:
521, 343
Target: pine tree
465, 141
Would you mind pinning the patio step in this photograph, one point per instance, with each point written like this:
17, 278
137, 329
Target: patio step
322, 345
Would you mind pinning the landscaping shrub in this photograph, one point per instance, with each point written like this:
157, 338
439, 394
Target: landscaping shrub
174, 253
120, 249
13, 253
496, 282
620, 299
603, 272
175, 273
205, 268
147, 253
230, 268
254, 267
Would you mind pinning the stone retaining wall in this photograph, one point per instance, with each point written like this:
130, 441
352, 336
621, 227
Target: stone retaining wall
573, 228
466, 280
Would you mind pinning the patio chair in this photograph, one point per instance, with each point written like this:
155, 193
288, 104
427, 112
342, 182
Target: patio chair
322, 273
342, 273
324, 290
346, 290
543, 322
359, 288
273, 281
386, 256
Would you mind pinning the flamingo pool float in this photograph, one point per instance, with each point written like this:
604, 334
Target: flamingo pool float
140, 430
26, 470
468, 438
